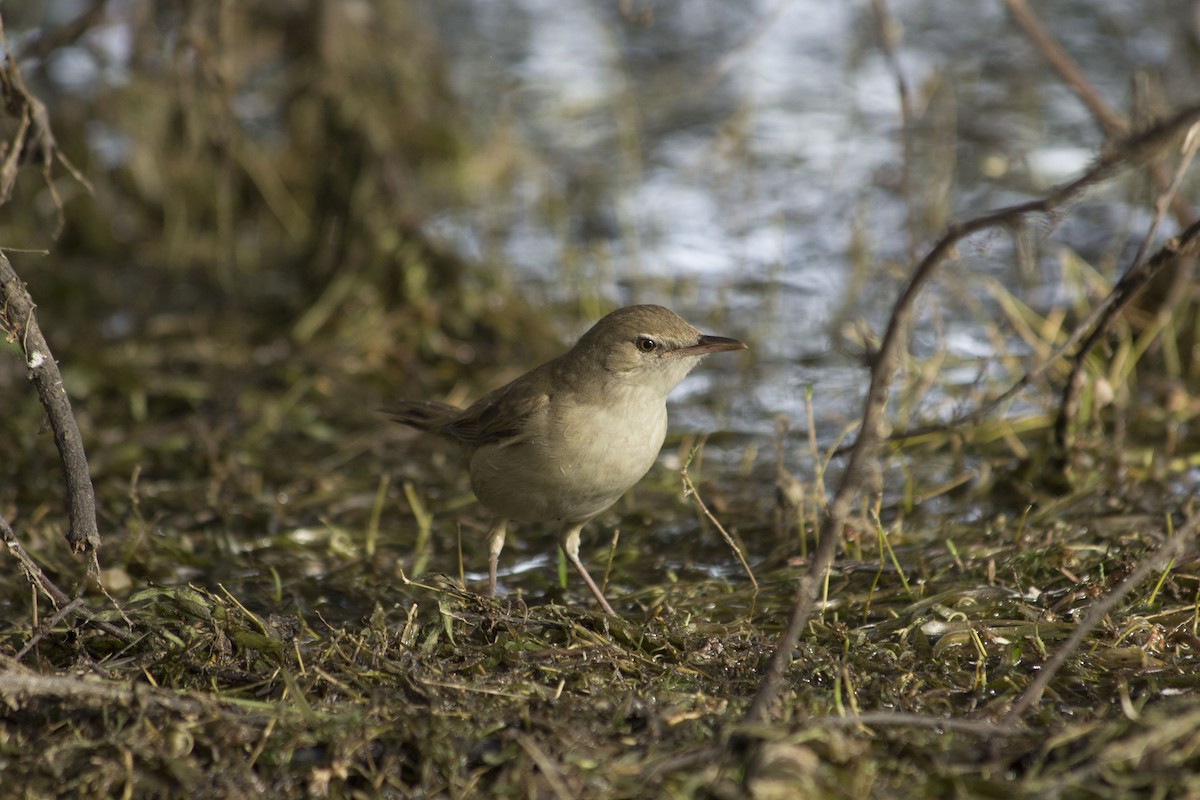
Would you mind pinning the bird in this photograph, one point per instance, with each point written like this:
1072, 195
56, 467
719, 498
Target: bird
563, 442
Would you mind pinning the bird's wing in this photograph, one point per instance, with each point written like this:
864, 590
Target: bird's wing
501, 416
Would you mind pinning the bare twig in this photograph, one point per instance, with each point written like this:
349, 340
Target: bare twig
1169, 549
33, 572
33, 140
18, 322
1139, 274
898, 719
1104, 310
47, 626
71, 31
1112, 121
889, 35
1114, 125
689, 490
65, 605
1134, 151
1182, 246
1185, 245
18, 686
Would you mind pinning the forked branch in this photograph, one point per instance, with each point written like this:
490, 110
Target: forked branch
1135, 151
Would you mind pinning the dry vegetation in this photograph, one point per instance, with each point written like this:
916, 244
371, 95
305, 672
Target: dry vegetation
279, 620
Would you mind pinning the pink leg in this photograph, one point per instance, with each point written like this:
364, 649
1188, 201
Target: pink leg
495, 545
569, 542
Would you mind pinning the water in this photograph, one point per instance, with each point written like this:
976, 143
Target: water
743, 163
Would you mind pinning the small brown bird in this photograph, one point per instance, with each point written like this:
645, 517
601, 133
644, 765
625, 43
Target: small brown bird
564, 441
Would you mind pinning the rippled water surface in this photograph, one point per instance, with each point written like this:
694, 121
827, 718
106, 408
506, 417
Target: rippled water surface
744, 164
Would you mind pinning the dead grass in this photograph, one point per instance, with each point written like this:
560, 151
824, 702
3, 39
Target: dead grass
286, 615
272, 653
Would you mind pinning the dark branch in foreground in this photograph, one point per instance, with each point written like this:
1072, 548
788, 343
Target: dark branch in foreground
1137, 150
19, 324
1089, 330
33, 141
1184, 247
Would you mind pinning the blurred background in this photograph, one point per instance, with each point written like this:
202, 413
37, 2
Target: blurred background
302, 209
288, 212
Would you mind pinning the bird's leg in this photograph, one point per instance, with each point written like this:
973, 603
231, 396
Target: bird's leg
569, 542
495, 545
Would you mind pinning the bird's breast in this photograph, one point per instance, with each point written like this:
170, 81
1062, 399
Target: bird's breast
576, 461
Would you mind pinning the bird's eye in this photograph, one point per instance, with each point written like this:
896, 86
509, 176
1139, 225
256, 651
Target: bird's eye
646, 344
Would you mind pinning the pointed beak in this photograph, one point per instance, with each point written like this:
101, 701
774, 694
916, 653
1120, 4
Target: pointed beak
711, 344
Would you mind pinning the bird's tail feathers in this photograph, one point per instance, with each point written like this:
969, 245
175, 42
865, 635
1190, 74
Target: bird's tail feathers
424, 415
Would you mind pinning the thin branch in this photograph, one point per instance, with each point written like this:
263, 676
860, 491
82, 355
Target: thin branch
1185, 245
18, 686
1091, 327
1113, 123
47, 626
33, 572
1171, 548
18, 322
889, 35
34, 139
690, 490
69, 32
1134, 151
900, 719
37, 578
1103, 310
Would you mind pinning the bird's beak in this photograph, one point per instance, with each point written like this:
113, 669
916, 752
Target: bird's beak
711, 344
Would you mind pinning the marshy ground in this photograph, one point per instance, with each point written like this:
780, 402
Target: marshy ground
287, 596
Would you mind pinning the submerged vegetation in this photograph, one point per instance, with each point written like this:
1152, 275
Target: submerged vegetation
284, 602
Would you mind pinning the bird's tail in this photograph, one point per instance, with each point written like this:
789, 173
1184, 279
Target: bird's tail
424, 415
